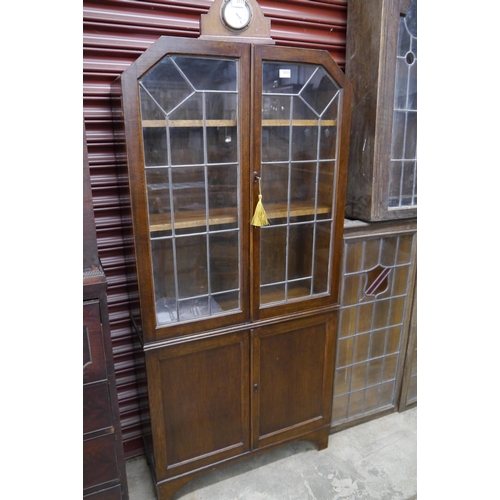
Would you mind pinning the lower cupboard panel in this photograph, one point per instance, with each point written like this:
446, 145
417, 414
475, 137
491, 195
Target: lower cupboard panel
221, 398
292, 382
199, 399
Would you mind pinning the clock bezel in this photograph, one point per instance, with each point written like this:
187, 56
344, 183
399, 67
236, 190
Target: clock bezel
227, 25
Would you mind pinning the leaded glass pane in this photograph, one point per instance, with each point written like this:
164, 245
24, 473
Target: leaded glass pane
191, 156
299, 128
369, 346
402, 174
208, 74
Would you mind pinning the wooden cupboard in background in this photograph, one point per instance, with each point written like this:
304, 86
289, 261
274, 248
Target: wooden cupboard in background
381, 63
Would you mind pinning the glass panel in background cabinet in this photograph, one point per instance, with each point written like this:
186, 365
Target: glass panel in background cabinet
372, 321
402, 174
190, 130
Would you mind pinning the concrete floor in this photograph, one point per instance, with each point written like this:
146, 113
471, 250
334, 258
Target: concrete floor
372, 461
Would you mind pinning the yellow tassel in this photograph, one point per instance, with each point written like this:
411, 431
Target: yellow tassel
259, 217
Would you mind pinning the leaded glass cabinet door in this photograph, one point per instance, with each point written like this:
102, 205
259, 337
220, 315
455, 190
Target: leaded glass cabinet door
374, 321
189, 214
381, 63
403, 166
298, 169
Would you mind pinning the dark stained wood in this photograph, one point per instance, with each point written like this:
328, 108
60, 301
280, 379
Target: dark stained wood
94, 362
372, 35
115, 34
199, 398
99, 461
167, 489
403, 6
97, 413
103, 458
226, 387
113, 493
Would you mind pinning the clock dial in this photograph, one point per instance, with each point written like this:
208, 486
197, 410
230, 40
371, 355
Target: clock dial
236, 14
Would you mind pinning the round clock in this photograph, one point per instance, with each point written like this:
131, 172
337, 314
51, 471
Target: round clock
236, 14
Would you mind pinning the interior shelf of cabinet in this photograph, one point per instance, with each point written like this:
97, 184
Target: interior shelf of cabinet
198, 218
269, 296
232, 123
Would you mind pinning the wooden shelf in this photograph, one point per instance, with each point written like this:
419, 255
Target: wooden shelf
272, 297
197, 218
188, 123
192, 218
233, 123
299, 123
297, 209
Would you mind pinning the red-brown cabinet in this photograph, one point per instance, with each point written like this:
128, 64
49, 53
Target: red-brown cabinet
237, 318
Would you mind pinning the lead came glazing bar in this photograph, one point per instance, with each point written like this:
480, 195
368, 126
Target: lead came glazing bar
172, 215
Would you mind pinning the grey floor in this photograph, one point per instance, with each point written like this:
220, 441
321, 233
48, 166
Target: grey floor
372, 461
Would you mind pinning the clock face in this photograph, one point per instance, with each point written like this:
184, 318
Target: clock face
236, 14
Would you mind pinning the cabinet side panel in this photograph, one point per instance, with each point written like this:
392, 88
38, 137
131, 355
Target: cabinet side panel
125, 204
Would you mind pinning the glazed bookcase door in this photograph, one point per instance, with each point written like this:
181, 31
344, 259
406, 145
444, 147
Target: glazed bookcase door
300, 100
187, 185
381, 61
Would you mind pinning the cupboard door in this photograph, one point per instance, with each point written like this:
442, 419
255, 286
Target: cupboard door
188, 185
300, 165
199, 394
292, 378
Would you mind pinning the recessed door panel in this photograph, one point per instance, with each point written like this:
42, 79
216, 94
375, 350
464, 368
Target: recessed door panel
291, 378
200, 403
